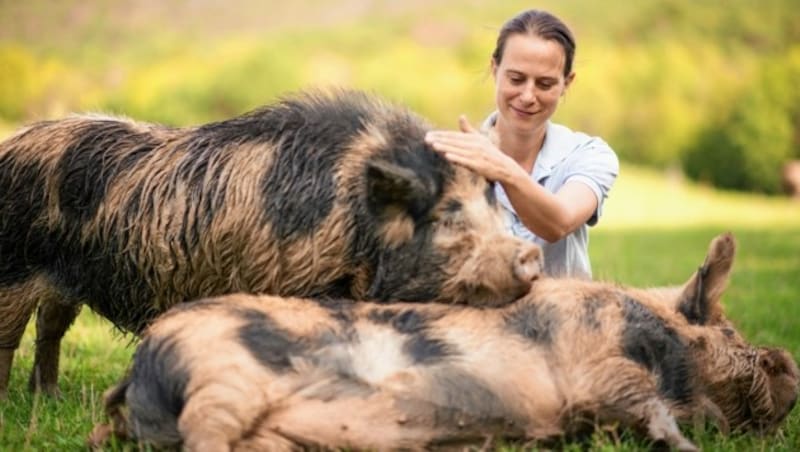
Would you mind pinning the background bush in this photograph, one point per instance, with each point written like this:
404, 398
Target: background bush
702, 85
746, 149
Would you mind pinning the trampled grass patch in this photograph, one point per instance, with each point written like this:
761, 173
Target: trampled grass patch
763, 299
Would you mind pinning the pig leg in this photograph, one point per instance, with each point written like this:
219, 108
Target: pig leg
661, 425
625, 393
17, 303
217, 416
53, 319
266, 440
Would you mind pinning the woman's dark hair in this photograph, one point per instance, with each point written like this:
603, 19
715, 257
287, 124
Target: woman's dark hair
537, 23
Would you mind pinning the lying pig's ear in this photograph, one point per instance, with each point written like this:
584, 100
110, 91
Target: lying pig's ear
700, 299
395, 190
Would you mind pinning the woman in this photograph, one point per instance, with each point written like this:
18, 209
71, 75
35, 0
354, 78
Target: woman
552, 180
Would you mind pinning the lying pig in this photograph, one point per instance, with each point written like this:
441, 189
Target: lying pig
265, 373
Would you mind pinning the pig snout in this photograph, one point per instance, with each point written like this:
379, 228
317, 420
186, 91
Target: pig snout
528, 263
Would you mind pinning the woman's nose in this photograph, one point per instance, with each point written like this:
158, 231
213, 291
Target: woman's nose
528, 93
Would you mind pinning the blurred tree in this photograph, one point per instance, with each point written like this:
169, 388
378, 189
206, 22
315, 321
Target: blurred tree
663, 81
748, 147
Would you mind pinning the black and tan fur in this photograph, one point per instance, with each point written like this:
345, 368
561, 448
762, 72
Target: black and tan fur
319, 194
265, 373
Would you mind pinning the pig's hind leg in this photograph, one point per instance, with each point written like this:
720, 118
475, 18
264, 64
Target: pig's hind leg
53, 318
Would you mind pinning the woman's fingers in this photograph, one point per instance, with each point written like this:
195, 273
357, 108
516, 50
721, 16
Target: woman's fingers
466, 140
469, 148
487, 164
452, 148
466, 161
449, 135
464, 125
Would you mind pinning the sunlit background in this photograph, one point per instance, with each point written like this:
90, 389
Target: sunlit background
700, 99
683, 90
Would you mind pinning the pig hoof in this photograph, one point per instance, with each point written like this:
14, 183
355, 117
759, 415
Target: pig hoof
48, 390
99, 436
686, 446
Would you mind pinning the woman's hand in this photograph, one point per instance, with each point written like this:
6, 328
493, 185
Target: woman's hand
550, 216
473, 150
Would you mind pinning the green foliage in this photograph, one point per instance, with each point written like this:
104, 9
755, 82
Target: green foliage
25, 82
662, 81
667, 97
16, 70
747, 148
192, 87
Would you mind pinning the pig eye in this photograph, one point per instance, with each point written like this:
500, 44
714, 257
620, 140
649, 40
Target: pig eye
728, 332
453, 221
489, 193
452, 215
453, 206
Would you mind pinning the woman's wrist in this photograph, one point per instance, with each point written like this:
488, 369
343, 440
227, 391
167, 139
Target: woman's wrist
515, 177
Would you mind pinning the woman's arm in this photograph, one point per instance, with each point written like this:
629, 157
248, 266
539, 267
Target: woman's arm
549, 216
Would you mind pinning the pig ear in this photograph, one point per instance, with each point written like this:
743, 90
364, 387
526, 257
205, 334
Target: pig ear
699, 301
393, 190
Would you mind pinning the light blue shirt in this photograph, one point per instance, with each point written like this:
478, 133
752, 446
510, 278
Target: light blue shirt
567, 156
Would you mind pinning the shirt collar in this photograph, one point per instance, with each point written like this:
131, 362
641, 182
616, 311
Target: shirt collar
555, 148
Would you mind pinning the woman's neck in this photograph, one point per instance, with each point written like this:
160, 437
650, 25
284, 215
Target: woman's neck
523, 147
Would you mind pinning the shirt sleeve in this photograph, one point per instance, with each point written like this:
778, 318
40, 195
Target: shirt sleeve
596, 165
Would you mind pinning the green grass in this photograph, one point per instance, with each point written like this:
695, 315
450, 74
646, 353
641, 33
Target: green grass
655, 231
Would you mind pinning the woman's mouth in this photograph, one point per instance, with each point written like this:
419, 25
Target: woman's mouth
520, 112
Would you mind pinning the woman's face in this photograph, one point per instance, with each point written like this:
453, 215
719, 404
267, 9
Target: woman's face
529, 81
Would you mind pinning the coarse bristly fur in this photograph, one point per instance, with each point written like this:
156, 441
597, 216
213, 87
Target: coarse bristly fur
321, 194
266, 373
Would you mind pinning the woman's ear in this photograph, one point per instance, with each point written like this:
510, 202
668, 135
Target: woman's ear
568, 81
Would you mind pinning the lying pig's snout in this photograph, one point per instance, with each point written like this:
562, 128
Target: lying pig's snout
529, 263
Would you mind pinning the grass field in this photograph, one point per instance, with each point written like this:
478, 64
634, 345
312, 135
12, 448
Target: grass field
655, 231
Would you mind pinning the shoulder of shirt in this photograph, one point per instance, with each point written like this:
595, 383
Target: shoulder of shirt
578, 141
573, 139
